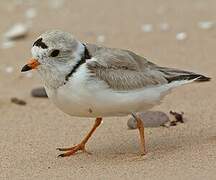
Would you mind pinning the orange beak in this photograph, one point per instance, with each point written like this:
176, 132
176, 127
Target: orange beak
32, 64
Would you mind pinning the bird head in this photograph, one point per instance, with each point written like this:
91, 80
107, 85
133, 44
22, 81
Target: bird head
54, 54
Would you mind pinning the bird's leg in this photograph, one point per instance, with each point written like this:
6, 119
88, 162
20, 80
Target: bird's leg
80, 146
140, 127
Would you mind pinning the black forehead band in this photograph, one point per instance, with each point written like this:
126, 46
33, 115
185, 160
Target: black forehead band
40, 43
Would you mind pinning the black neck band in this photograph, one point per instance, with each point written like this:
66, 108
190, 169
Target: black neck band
84, 56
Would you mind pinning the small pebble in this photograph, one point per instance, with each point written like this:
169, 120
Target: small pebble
18, 101
150, 119
9, 69
39, 92
206, 25
100, 39
181, 36
164, 27
17, 31
147, 27
31, 13
178, 116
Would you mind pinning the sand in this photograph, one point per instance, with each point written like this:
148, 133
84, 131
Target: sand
29, 134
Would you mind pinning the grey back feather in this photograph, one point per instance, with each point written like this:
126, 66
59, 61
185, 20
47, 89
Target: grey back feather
123, 69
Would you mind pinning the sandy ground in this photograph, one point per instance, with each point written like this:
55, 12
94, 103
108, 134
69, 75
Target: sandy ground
29, 134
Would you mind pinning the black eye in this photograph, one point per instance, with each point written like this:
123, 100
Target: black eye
54, 53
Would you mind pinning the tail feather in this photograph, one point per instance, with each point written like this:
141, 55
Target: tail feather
172, 75
202, 78
196, 77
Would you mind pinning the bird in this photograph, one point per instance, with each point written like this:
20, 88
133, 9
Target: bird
92, 81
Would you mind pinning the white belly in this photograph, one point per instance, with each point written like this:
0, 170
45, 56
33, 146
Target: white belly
99, 104
91, 98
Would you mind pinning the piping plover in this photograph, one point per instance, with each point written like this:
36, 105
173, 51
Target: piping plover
87, 80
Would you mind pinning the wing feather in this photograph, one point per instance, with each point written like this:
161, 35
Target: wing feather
122, 69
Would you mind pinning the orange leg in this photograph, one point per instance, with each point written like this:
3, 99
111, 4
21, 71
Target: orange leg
140, 127
80, 146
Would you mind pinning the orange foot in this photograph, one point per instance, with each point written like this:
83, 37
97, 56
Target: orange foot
80, 146
72, 150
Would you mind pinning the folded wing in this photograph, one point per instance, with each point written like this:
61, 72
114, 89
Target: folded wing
124, 70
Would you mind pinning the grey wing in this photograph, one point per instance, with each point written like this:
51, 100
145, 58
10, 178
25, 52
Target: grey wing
123, 70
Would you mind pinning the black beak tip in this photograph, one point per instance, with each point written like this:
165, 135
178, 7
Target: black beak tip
26, 68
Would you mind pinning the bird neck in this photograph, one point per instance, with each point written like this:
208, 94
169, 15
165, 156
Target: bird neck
84, 56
